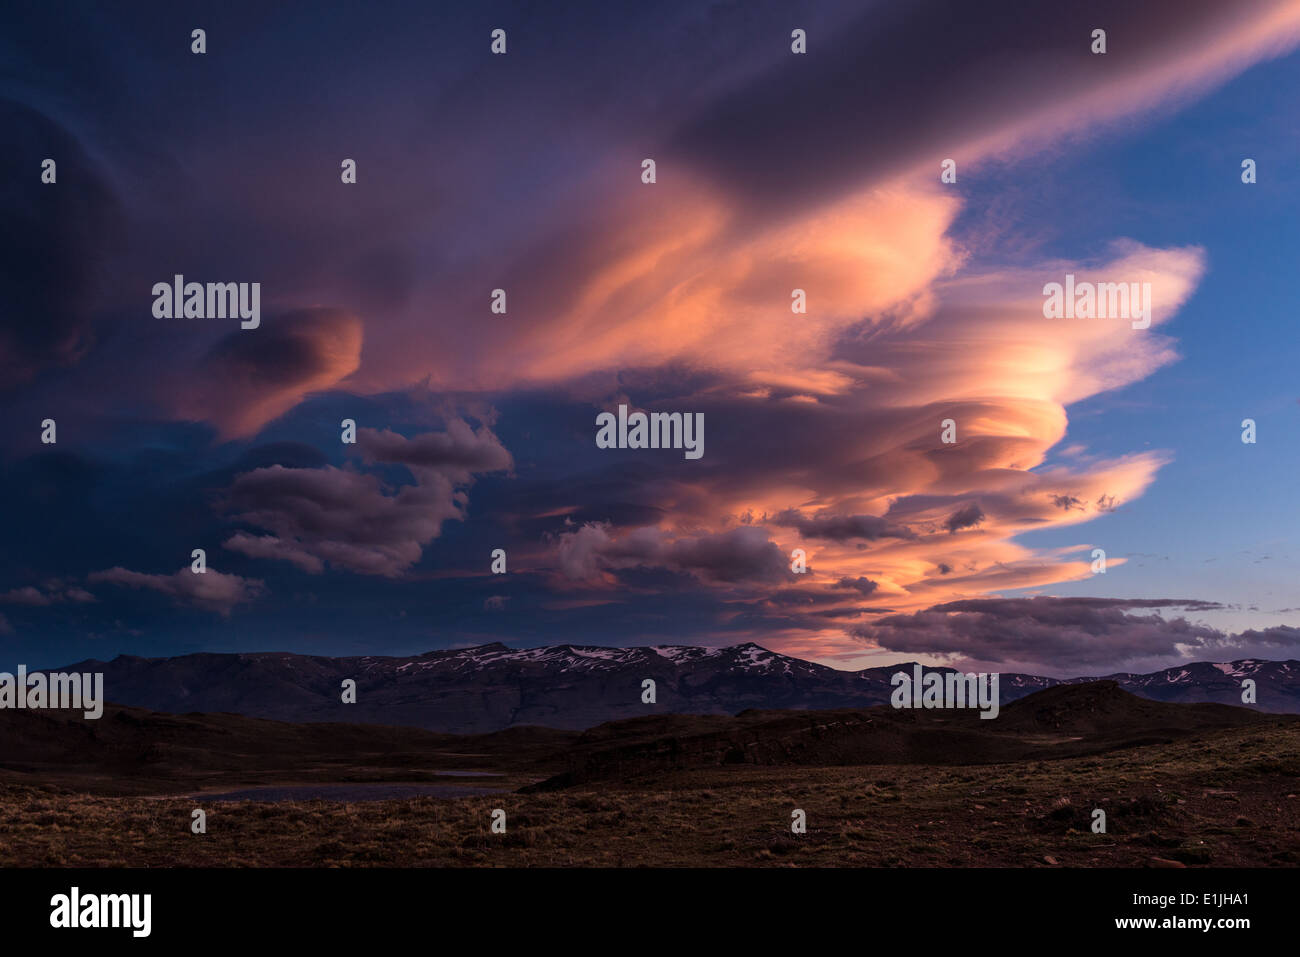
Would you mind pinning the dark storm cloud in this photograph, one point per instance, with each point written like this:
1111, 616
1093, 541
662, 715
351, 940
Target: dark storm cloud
800, 596
54, 245
862, 585
1267, 642
245, 380
905, 82
966, 517
1063, 636
742, 554
841, 528
1061, 609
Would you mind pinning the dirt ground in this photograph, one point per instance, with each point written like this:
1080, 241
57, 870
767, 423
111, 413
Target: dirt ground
1227, 800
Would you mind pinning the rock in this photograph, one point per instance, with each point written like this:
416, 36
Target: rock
1161, 862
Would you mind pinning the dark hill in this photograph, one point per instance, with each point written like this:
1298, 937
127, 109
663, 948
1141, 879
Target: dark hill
1064, 721
1103, 708
131, 750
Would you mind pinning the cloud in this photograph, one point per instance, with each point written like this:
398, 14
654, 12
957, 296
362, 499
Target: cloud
699, 269
1065, 636
250, 377
55, 591
350, 519
967, 517
743, 554
459, 452
860, 473
339, 516
944, 81
862, 585
823, 427
211, 590
27, 595
55, 245
840, 528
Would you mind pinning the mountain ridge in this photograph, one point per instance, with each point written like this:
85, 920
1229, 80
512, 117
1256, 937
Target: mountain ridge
489, 687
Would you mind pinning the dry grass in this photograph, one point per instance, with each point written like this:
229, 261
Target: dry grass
1229, 800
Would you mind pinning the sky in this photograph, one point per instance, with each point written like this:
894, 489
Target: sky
824, 430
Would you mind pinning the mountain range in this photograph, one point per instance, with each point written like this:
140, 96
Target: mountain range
492, 687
